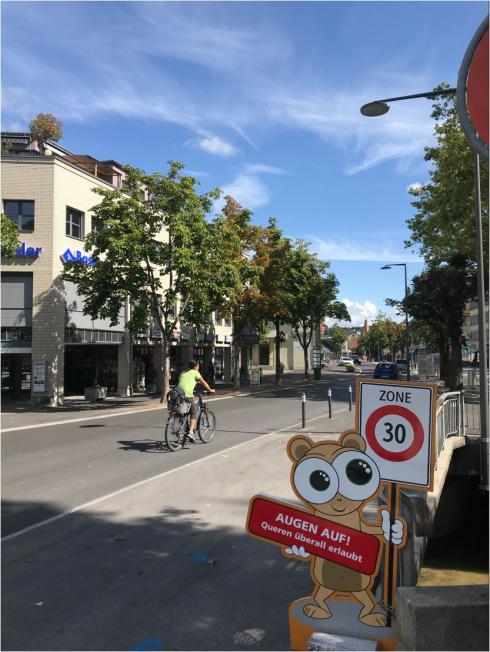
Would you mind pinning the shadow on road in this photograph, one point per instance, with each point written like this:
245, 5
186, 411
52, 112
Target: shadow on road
89, 582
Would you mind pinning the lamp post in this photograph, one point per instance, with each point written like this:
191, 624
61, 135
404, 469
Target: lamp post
407, 339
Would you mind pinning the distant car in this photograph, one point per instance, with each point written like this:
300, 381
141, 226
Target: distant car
343, 360
387, 371
402, 365
357, 359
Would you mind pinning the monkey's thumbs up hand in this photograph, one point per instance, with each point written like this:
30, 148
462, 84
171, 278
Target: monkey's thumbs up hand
298, 551
393, 533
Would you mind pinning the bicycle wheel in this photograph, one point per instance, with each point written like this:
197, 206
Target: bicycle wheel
206, 426
173, 432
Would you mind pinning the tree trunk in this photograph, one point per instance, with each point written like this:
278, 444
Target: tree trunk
454, 380
236, 362
278, 351
443, 358
305, 353
166, 370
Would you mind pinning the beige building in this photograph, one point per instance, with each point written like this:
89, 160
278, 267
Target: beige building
49, 348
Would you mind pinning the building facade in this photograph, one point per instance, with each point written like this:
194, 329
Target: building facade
49, 347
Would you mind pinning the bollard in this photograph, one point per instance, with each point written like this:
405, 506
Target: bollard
350, 398
303, 411
329, 394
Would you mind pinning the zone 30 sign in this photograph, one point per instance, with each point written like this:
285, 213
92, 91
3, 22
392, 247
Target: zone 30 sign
397, 422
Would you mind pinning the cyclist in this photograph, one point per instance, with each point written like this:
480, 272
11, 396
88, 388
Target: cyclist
187, 383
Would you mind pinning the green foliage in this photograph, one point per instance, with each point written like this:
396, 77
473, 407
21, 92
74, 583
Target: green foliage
311, 295
437, 300
338, 335
46, 126
182, 278
9, 240
444, 223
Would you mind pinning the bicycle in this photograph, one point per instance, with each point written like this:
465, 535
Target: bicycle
177, 428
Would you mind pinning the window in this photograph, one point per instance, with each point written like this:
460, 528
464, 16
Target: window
21, 212
97, 224
74, 223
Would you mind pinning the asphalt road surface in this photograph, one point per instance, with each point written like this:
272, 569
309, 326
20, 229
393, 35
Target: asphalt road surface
111, 542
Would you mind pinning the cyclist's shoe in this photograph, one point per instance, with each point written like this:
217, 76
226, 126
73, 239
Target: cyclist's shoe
191, 438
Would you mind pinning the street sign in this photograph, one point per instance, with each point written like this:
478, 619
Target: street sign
285, 524
472, 91
397, 422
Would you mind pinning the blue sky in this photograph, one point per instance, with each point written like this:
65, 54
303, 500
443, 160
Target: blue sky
258, 98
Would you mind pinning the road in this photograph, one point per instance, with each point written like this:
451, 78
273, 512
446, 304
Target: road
109, 540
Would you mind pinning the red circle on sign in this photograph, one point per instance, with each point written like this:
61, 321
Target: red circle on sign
477, 89
414, 421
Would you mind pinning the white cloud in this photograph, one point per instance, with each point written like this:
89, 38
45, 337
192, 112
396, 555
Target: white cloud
260, 168
246, 78
215, 146
345, 250
248, 190
414, 187
360, 311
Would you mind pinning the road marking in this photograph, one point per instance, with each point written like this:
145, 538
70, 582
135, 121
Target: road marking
136, 411
140, 483
106, 416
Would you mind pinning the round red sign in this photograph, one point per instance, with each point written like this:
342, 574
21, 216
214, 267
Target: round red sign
472, 91
413, 420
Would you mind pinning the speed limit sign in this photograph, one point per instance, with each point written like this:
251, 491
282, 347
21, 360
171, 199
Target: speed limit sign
397, 421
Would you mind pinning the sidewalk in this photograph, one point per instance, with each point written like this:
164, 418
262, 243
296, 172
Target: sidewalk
167, 560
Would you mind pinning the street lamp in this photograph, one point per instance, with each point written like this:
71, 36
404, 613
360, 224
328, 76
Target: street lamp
407, 339
380, 107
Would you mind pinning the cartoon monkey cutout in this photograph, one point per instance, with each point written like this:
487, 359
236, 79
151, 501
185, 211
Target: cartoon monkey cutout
336, 479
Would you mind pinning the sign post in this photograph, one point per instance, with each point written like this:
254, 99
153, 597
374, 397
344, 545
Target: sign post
397, 421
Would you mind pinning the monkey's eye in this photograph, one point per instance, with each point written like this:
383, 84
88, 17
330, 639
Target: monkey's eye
358, 475
315, 480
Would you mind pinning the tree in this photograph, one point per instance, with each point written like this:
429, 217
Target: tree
237, 242
46, 126
444, 223
9, 237
437, 299
177, 280
375, 339
272, 257
338, 335
311, 295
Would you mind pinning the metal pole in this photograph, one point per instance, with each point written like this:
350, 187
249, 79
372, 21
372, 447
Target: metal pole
303, 411
350, 398
407, 339
329, 394
482, 336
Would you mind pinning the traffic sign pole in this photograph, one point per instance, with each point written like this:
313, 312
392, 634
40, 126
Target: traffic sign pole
391, 565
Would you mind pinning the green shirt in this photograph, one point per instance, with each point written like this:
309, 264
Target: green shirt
188, 380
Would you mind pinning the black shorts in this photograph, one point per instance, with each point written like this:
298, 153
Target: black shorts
193, 407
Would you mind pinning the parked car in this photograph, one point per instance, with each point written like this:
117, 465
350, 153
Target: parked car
402, 365
343, 360
387, 371
357, 359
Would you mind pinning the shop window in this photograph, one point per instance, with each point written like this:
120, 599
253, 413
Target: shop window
21, 212
16, 334
74, 223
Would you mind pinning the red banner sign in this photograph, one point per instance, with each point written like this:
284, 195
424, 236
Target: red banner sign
281, 523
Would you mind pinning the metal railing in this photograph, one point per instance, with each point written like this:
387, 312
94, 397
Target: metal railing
450, 417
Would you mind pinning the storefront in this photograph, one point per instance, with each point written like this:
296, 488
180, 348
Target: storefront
89, 364
16, 338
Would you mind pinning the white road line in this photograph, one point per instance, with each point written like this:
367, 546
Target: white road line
30, 528
135, 411
104, 416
